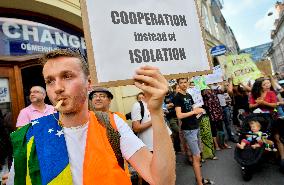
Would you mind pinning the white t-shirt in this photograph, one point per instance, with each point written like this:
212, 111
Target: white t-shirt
76, 142
147, 135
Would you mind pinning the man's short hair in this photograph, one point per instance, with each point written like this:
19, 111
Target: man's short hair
67, 53
41, 88
179, 79
139, 94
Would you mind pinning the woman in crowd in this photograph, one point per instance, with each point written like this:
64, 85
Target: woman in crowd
208, 150
262, 96
240, 96
264, 99
215, 112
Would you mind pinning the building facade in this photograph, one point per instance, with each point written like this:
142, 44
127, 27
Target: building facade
217, 32
259, 52
28, 29
276, 51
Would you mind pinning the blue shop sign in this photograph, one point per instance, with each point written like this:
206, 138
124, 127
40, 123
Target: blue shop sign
218, 50
22, 37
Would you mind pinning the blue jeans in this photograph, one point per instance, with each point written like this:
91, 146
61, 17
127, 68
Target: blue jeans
227, 121
280, 111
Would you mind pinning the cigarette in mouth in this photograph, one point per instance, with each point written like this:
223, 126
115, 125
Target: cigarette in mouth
58, 105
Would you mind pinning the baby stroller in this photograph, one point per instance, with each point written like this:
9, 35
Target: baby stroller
249, 158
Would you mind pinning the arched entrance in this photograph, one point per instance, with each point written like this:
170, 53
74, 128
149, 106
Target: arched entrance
32, 76
215, 61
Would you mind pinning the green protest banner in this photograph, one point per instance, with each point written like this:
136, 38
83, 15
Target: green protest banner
241, 68
199, 82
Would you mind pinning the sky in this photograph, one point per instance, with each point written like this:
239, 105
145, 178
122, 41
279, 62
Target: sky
249, 20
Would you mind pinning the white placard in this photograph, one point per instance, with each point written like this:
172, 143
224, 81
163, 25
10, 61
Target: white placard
4, 91
196, 96
216, 77
126, 34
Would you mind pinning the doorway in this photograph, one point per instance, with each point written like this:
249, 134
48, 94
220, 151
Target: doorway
32, 76
215, 61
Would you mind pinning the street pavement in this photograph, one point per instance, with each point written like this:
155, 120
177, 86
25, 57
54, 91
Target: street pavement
226, 171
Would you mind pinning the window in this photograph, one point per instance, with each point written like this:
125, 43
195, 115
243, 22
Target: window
216, 29
204, 15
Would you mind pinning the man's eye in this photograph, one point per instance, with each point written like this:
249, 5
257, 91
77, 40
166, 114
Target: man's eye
68, 76
48, 82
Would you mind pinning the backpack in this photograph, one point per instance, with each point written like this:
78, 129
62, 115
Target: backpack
128, 115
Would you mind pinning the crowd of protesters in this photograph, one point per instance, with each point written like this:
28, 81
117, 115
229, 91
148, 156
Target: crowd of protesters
196, 119
200, 122
203, 121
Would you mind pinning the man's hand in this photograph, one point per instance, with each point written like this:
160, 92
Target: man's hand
198, 110
159, 167
280, 103
153, 84
170, 105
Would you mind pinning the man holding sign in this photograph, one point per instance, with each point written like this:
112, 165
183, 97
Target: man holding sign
188, 113
72, 147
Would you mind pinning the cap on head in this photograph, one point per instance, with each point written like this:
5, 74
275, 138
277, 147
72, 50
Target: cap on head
101, 89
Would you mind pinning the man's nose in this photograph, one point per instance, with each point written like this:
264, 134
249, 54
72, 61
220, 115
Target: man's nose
59, 87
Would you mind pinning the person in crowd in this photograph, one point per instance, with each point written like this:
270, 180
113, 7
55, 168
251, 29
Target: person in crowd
5, 148
8, 121
101, 99
278, 90
141, 121
278, 129
208, 151
278, 132
215, 112
187, 114
172, 118
254, 141
240, 96
223, 96
70, 159
36, 109
262, 97
265, 100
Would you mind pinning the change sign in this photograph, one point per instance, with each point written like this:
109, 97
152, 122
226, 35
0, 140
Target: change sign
123, 35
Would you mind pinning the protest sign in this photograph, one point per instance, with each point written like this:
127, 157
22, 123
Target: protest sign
216, 77
123, 35
196, 96
265, 67
241, 68
199, 82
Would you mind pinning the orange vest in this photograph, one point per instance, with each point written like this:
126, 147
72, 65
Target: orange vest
100, 164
